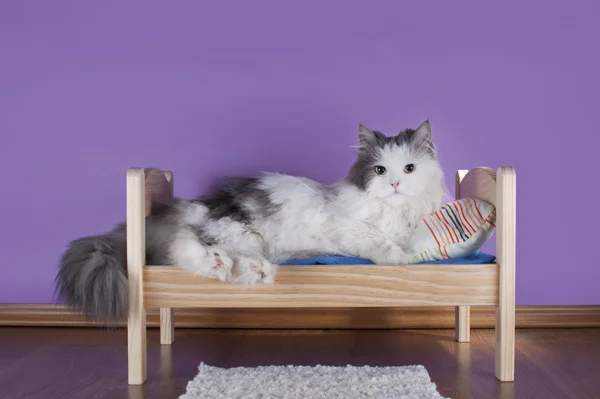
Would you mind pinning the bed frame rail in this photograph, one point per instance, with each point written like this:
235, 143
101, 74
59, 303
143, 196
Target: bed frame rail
332, 286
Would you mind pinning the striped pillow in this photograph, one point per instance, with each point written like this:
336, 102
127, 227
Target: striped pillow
459, 228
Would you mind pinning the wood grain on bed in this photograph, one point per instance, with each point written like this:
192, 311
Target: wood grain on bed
505, 253
329, 286
167, 322
462, 313
136, 257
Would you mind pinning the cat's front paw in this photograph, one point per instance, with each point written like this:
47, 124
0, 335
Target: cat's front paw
251, 270
393, 255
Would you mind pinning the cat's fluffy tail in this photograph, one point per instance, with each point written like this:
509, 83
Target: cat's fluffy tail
92, 276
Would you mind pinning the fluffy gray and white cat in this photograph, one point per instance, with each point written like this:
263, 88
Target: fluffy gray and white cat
242, 229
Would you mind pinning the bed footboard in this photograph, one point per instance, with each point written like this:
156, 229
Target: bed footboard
462, 286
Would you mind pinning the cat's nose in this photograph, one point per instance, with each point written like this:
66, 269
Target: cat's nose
395, 184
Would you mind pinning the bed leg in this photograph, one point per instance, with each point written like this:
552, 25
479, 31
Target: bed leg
136, 256
505, 254
462, 313
463, 323
167, 316
167, 326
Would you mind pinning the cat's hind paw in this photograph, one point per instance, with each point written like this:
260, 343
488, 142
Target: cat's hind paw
252, 270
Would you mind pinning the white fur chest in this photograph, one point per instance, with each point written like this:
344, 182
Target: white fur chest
392, 221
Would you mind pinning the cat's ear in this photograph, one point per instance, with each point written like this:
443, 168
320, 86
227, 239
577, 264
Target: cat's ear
423, 133
368, 137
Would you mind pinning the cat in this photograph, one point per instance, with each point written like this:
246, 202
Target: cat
242, 229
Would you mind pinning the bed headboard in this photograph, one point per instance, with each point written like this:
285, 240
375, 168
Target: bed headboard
478, 183
159, 188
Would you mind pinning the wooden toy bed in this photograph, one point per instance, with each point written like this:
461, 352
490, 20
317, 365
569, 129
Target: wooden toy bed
169, 287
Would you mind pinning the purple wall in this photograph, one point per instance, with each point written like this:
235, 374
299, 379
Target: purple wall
87, 90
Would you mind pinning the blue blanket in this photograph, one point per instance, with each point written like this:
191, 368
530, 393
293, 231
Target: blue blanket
476, 258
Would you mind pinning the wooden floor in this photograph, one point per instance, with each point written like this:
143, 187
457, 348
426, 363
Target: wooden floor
91, 363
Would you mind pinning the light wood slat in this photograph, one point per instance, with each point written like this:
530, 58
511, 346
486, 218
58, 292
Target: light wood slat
463, 323
136, 256
505, 253
329, 286
167, 325
462, 330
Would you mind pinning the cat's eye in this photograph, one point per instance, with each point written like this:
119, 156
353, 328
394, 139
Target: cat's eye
380, 170
410, 168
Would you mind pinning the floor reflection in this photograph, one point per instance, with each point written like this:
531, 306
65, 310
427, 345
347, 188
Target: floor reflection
505, 390
137, 391
463, 368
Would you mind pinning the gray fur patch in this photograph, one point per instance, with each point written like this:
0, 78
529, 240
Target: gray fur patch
202, 235
161, 229
92, 276
235, 198
416, 146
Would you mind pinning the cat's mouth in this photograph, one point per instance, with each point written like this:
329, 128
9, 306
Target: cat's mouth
397, 198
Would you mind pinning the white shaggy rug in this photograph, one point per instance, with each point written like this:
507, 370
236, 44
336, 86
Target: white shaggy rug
319, 382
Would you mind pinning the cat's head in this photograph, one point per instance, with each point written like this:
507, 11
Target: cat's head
399, 168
